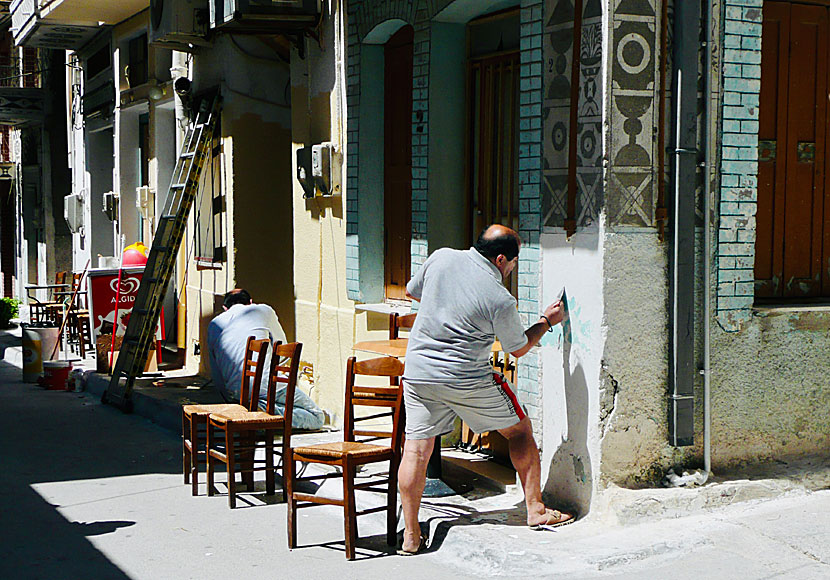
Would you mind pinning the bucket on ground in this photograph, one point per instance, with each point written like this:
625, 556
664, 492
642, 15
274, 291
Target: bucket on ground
55, 375
39, 342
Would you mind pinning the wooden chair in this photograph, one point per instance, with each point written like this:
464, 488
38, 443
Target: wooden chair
52, 309
194, 417
399, 321
245, 431
83, 330
351, 453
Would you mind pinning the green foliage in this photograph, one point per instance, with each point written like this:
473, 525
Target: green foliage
9, 308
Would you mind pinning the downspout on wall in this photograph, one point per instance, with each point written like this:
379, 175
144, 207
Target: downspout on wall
686, 29
709, 143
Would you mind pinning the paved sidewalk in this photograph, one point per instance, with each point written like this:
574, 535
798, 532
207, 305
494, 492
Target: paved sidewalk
88, 492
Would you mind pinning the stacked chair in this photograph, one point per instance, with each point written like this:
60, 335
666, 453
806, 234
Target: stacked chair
244, 426
233, 433
247, 430
52, 309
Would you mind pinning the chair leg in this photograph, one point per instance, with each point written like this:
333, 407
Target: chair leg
286, 450
269, 463
230, 451
392, 505
288, 487
195, 420
350, 518
247, 459
211, 490
185, 450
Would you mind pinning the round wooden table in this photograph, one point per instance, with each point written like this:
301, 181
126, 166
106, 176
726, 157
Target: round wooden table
435, 485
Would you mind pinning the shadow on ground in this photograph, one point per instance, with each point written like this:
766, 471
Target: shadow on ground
54, 436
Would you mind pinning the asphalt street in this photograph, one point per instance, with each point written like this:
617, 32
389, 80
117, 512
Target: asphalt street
87, 492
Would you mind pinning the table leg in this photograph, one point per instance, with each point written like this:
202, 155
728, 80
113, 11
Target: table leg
435, 486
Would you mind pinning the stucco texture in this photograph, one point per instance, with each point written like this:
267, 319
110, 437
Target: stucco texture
633, 382
770, 387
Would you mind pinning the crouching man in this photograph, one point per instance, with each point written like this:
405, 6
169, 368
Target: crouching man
227, 336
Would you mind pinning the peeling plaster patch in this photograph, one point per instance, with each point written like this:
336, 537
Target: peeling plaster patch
609, 388
579, 468
810, 321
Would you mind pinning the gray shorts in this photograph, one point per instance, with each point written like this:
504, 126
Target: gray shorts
488, 406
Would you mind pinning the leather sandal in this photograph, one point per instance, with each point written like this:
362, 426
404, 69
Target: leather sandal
422, 546
555, 519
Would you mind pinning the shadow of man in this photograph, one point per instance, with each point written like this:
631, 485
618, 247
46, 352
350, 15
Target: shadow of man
570, 479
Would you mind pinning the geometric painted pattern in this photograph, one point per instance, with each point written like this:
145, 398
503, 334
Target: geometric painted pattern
632, 196
589, 117
558, 55
559, 32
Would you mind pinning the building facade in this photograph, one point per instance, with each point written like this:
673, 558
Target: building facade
658, 161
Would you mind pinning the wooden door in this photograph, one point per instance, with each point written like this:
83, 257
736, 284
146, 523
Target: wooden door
493, 152
397, 161
793, 215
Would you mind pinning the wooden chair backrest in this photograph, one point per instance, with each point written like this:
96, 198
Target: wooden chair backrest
60, 277
398, 321
80, 297
284, 369
252, 370
390, 397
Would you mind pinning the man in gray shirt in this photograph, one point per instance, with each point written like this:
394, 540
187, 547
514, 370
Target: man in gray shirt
464, 307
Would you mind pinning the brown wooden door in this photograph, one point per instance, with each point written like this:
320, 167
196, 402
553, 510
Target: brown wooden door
397, 161
793, 215
493, 150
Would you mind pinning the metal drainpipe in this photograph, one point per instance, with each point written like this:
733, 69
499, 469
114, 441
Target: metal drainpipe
707, 245
684, 99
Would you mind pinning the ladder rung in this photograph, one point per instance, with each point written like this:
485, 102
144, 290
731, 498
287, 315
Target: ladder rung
178, 186
188, 155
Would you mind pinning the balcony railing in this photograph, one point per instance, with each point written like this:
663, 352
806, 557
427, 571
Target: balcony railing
21, 73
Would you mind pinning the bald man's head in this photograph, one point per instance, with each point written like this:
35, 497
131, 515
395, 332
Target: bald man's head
498, 240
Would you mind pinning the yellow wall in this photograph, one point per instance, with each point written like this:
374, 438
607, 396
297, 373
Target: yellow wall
326, 321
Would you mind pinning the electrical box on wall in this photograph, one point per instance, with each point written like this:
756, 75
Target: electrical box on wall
111, 205
318, 169
73, 211
145, 201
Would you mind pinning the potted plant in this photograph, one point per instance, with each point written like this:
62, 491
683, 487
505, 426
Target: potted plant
9, 308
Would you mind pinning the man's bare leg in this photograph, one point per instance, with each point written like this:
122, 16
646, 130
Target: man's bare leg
525, 457
412, 476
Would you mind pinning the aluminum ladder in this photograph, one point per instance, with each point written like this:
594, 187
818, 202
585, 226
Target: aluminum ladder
184, 185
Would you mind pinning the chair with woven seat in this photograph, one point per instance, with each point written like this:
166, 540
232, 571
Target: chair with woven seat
194, 417
351, 453
246, 431
400, 321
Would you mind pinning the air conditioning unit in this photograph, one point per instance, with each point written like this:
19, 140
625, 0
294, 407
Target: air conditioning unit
73, 211
179, 24
264, 16
145, 201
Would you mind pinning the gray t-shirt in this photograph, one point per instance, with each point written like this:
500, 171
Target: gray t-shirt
464, 307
